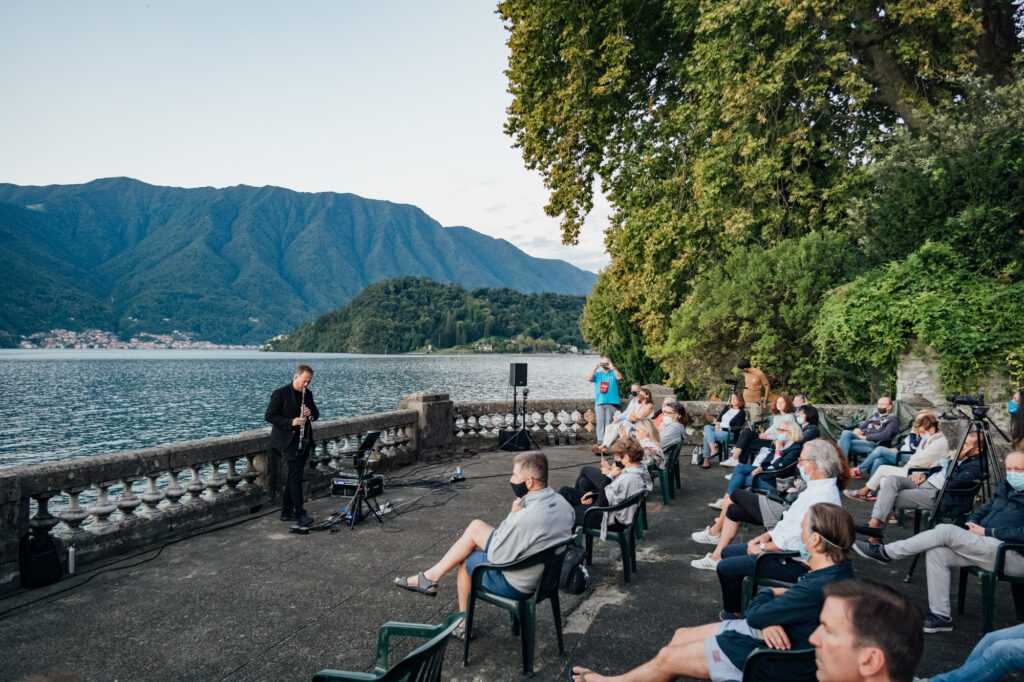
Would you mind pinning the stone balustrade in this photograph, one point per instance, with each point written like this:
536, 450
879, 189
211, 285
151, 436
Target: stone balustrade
550, 422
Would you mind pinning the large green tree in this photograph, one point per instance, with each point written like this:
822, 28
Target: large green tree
722, 131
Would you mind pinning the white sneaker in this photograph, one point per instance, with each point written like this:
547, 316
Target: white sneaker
728, 477
730, 462
718, 504
705, 537
707, 563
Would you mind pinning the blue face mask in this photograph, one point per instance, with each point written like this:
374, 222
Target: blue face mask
800, 419
805, 553
1015, 479
784, 437
803, 474
1012, 407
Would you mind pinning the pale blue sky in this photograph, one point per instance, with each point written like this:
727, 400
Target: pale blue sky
402, 101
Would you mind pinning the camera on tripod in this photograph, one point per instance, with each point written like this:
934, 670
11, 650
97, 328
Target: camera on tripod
978, 399
732, 384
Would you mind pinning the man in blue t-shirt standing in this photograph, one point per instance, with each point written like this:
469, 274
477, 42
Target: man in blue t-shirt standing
606, 394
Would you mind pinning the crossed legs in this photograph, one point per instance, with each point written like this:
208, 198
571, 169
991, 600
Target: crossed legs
472, 539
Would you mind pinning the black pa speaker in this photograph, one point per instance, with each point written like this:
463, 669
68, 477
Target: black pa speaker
514, 440
517, 374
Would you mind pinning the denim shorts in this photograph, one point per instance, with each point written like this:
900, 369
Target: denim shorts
494, 581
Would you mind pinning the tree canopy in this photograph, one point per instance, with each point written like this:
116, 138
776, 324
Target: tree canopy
737, 144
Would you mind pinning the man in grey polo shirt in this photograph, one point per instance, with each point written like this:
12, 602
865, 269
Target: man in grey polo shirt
540, 518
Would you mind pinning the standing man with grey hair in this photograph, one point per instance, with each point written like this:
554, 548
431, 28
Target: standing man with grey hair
819, 467
290, 412
605, 378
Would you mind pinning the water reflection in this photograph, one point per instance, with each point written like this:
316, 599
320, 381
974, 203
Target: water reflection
63, 404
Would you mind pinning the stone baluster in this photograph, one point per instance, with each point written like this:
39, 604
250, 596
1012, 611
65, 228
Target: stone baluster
151, 497
250, 473
233, 478
101, 510
215, 482
336, 455
128, 501
74, 515
195, 487
43, 521
324, 458
174, 492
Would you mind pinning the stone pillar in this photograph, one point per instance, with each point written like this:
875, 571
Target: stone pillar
13, 523
435, 428
917, 377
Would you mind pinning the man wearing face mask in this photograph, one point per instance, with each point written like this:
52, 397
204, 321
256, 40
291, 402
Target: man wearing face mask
879, 428
540, 518
947, 546
819, 467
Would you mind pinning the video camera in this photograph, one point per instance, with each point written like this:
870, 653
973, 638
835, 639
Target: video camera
978, 399
732, 384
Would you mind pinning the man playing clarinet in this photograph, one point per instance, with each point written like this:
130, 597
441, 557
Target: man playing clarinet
290, 411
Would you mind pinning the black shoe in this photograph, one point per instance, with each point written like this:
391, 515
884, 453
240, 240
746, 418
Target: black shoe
871, 550
870, 531
304, 519
936, 623
288, 516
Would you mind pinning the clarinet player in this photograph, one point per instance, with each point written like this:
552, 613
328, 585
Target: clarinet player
290, 412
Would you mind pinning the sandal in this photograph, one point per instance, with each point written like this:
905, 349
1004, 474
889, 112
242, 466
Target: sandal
460, 633
423, 585
581, 675
857, 496
706, 464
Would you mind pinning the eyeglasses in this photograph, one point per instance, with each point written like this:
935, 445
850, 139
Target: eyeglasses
802, 459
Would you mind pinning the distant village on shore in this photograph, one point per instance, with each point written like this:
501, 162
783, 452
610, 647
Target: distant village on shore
96, 338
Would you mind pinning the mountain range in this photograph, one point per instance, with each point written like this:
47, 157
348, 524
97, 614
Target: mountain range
229, 265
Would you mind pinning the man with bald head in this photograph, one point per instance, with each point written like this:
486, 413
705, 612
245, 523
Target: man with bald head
999, 520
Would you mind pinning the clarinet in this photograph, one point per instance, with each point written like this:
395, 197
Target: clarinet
302, 429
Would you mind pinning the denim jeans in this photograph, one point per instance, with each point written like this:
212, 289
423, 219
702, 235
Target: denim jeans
997, 654
878, 457
710, 435
741, 478
850, 443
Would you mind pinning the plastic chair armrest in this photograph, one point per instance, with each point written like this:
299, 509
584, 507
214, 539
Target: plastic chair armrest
1001, 558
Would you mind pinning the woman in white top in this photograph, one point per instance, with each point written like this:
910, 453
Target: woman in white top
647, 435
732, 417
748, 443
932, 449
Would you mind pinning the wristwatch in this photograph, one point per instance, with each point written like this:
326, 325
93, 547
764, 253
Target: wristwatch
764, 546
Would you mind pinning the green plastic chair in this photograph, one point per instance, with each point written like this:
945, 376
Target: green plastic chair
422, 665
523, 611
664, 476
760, 658
673, 466
626, 537
752, 583
988, 586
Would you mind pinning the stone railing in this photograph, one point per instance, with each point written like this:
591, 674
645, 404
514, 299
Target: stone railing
550, 422
125, 501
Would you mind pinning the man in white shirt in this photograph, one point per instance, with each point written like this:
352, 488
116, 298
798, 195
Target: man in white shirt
819, 466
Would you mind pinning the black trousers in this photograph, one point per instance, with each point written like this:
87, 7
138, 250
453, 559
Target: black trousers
750, 444
744, 508
295, 464
574, 496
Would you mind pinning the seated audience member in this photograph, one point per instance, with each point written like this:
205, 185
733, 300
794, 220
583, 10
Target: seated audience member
820, 470
882, 455
780, 618
748, 443
819, 466
656, 417
732, 416
616, 483
640, 407
807, 418
881, 427
948, 546
799, 400
918, 490
786, 449
539, 519
1016, 420
932, 449
672, 428
868, 632
998, 653
646, 433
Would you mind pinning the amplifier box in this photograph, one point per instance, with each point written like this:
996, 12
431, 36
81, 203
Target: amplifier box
346, 486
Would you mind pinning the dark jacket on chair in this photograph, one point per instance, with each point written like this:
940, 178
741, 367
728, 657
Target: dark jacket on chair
1002, 516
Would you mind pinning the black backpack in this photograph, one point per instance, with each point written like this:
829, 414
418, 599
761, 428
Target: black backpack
574, 576
38, 558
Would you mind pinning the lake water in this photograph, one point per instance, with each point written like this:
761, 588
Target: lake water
60, 404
